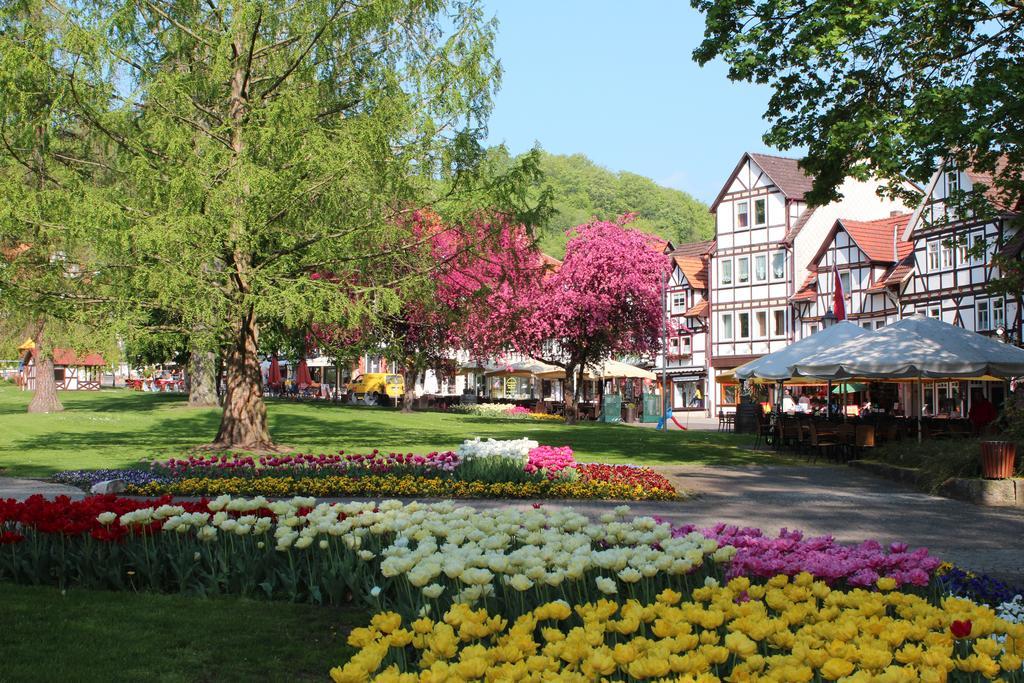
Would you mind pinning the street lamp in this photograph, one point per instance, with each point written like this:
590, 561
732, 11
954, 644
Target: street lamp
829, 319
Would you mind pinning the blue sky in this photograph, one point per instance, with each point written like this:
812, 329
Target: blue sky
615, 81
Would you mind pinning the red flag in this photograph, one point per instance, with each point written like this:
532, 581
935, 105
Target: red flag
839, 297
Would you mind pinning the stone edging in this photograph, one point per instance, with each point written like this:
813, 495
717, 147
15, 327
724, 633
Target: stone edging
988, 492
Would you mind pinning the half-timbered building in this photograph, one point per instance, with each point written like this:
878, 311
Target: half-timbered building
861, 254
766, 236
948, 274
685, 361
71, 371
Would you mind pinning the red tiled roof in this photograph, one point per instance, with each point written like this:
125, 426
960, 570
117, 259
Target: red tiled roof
786, 174
895, 275
69, 357
992, 193
694, 248
808, 291
550, 262
801, 221
698, 310
881, 240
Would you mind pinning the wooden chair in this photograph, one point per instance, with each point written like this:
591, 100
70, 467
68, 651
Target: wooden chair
845, 435
821, 444
865, 437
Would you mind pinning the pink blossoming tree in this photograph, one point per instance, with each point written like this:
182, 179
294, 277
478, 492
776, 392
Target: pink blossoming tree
604, 300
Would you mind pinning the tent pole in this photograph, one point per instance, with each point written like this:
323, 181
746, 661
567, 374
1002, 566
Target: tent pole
920, 406
828, 399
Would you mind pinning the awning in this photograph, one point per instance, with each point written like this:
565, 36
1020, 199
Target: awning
525, 368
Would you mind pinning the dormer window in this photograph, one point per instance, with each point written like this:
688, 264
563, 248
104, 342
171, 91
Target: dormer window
952, 182
742, 214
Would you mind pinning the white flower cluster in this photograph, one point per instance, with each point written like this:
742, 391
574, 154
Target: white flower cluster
460, 552
1012, 611
517, 449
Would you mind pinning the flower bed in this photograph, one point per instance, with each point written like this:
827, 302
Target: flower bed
520, 468
856, 566
504, 411
799, 630
402, 486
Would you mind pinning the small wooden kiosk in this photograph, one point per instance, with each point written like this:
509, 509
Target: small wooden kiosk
71, 371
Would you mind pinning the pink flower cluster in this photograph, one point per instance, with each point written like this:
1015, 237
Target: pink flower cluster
857, 566
518, 410
551, 459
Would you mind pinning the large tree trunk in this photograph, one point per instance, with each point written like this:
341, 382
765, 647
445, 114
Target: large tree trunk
243, 425
202, 379
45, 399
571, 385
409, 375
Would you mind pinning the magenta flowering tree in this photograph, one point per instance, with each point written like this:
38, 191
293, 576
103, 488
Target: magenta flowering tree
604, 300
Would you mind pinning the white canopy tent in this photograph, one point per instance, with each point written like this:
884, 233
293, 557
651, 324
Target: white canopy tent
918, 348
778, 366
914, 348
610, 369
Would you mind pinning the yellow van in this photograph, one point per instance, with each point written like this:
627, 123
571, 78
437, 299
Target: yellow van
373, 388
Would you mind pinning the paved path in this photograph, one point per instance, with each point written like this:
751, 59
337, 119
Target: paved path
846, 503
20, 489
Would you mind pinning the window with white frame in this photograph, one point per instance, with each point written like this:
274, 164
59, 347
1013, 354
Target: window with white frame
813, 329
686, 345
933, 256
742, 214
879, 324
726, 334
678, 301
779, 265
760, 212
779, 322
947, 254
984, 316
935, 312
998, 313
744, 325
952, 182
761, 324
725, 272
844, 280
743, 270
866, 324
761, 268
978, 248
962, 246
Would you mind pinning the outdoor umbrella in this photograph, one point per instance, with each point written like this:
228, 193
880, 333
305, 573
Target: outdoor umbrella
614, 369
917, 347
913, 348
848, 388
274, 372
778, 366
302, 377
525, 368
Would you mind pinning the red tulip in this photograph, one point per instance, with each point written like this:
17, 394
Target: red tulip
961, 629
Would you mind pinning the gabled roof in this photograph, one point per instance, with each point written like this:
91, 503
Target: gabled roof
801, 221
692, 259
808, 292
992, 193
880, 240
895, 276
70, 357
784, 172
698, 310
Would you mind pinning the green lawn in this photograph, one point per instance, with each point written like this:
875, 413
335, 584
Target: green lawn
103, 636
117, 428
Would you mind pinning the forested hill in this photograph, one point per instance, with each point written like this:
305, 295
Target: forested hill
584, 190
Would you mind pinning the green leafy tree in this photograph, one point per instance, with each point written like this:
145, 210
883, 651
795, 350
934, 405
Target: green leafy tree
50, 288
882, 88
261, 141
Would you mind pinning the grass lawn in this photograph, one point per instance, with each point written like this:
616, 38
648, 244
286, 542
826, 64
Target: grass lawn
117, 428
104, 636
